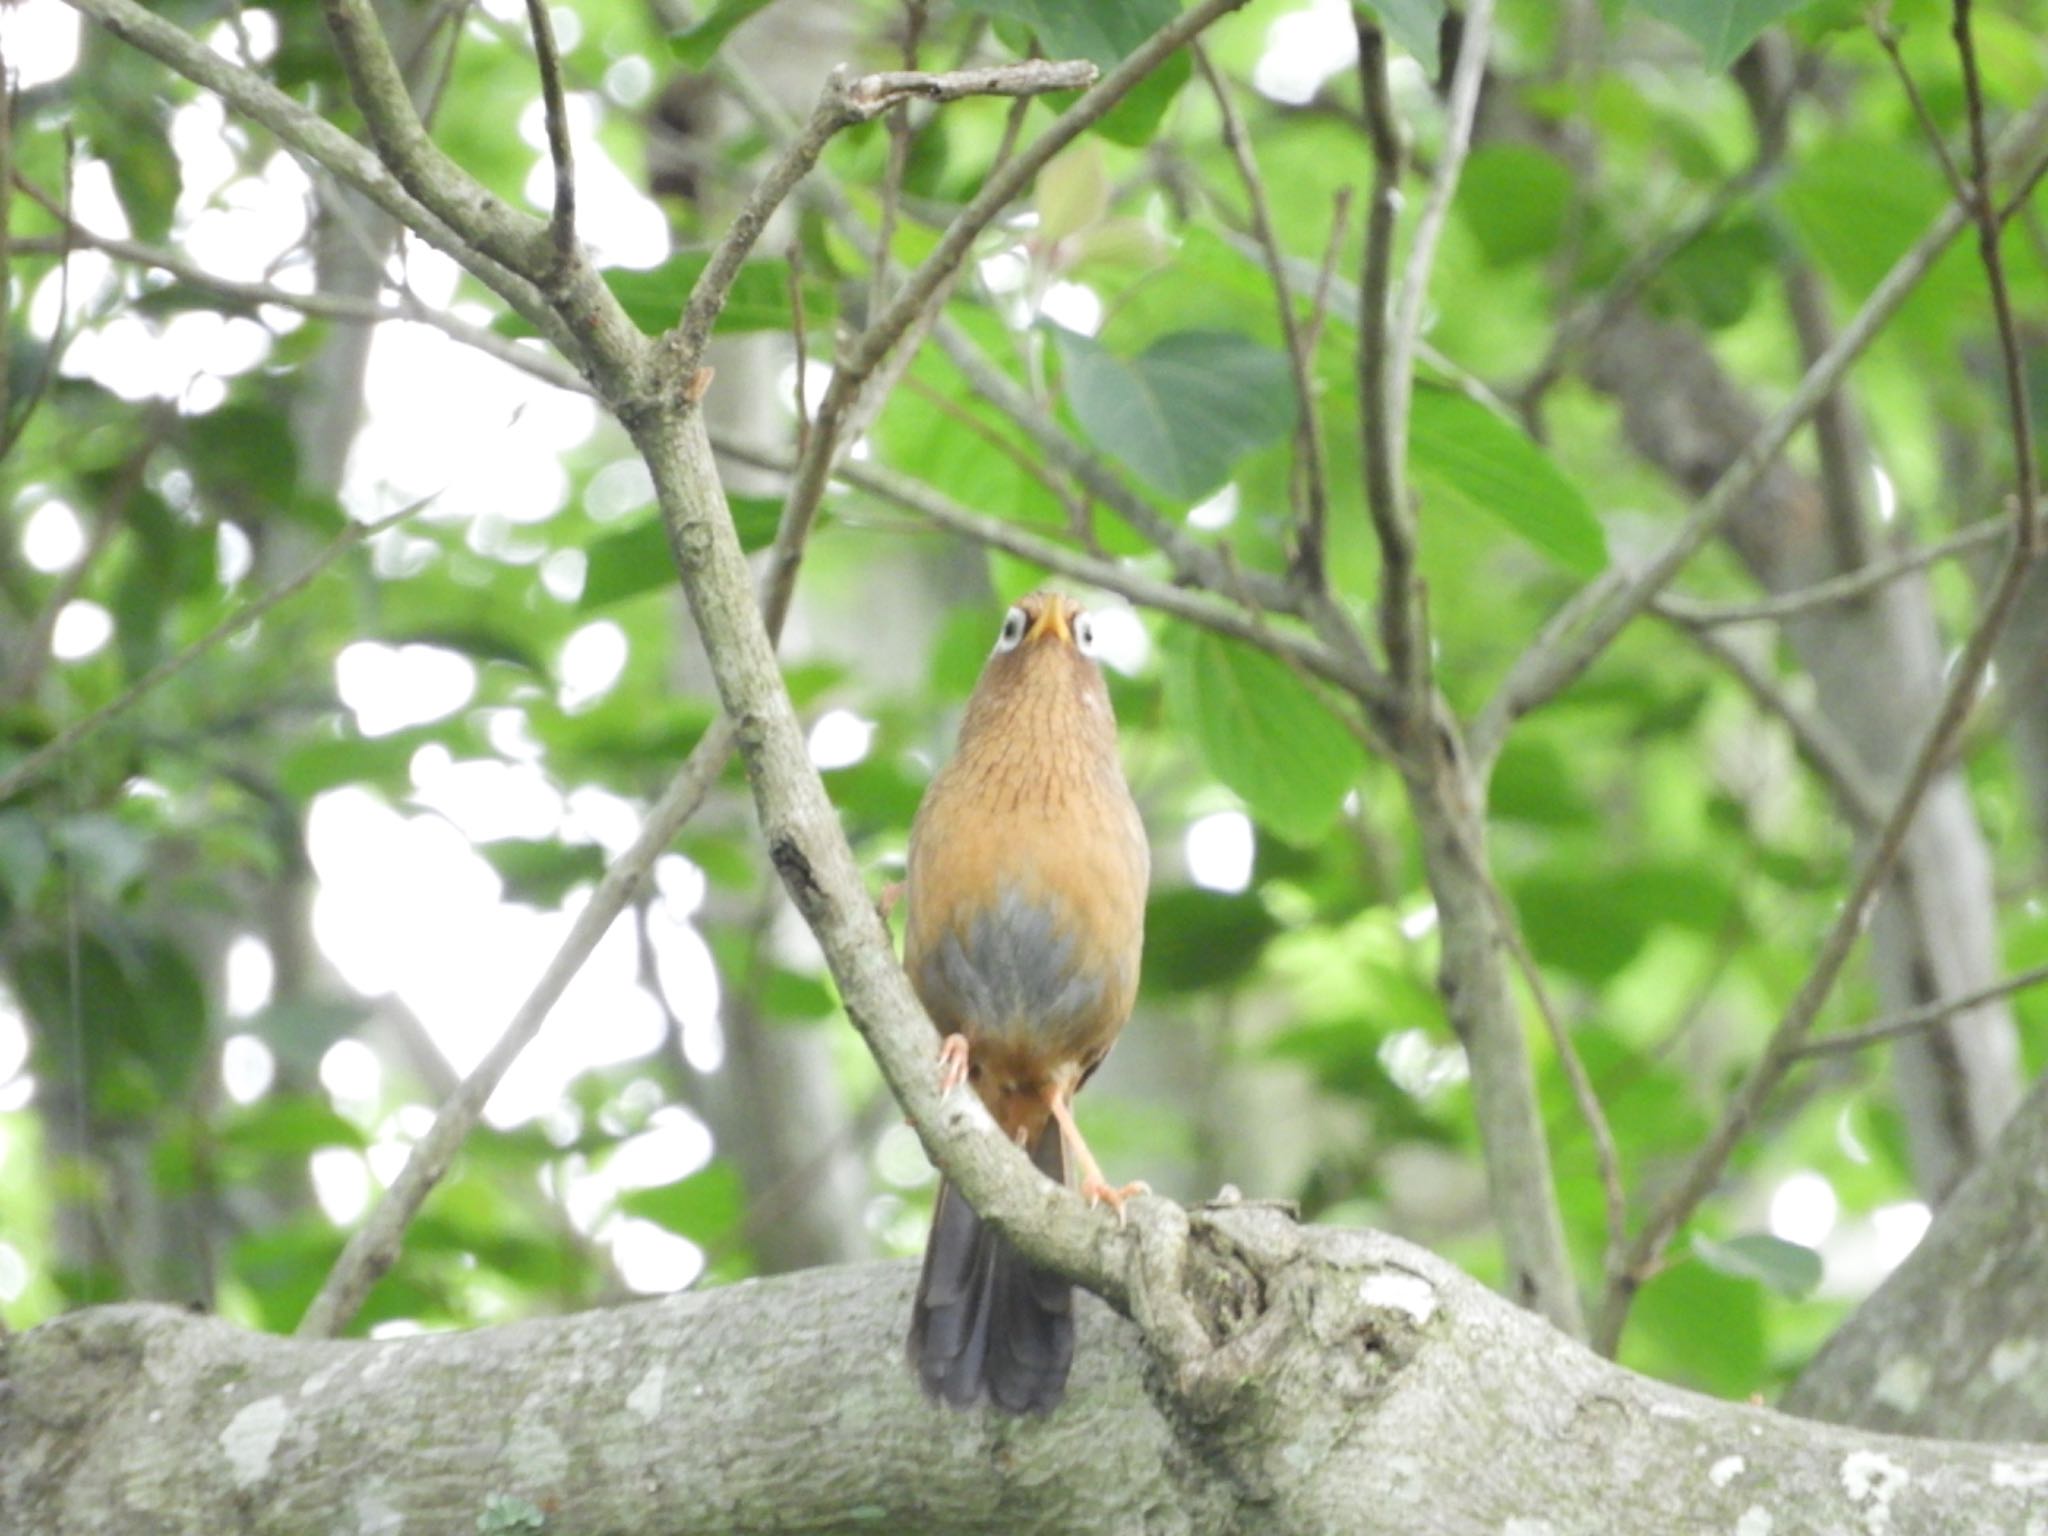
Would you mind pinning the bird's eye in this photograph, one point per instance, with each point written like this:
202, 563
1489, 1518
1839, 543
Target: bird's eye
1012, 632
1084, 634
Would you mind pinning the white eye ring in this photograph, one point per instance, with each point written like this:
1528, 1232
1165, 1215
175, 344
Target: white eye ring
1012, 634
1084, 635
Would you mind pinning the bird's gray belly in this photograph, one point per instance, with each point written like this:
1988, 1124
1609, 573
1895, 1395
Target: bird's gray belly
1013, 970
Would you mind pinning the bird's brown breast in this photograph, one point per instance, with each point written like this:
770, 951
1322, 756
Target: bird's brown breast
1028, 869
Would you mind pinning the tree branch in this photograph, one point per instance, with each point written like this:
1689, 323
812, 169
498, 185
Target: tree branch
562, 228
1913, 1020
1315, 514
844, 102
783, 1405
374, 1247
1846, 588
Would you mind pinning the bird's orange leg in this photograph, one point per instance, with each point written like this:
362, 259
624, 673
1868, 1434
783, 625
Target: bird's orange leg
952, 1063
1095, 1189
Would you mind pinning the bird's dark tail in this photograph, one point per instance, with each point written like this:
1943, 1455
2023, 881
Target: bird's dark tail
985, 1316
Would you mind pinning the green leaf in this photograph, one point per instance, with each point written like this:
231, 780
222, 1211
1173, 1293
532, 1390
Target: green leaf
1262, 732
1790, 1269
1085, 29
1460, 450
1514, 198
287, 1127
697, 45
1134, 121
249, 448
636, 558
1184, 411
1722, 28
1198, 941
541, 871
1415, 25
703, 1207
1700, 1328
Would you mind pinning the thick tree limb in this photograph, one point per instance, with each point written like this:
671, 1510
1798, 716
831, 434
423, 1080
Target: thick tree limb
1358, 1385
1954, 1342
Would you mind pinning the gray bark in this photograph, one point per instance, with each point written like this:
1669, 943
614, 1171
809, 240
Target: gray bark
1877, 667
1955, 1342
1356, 1384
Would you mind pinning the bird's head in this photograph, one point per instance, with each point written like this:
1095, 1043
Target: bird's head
1046, 619
1043, 668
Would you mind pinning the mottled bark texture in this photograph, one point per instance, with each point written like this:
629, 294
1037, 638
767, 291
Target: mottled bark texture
1876, 665
1955, 1342
1352, 1383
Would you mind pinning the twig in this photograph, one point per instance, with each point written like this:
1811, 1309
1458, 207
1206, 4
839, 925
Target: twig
1837, 589
374, 1246
1463, 106
1888, 39
2027, 536
1308, 437
1319, 301
1542, 672
1913, 1020
1384, 446
844, 102
899, 158
1605, 1155
549, 61
799, 332
60, 745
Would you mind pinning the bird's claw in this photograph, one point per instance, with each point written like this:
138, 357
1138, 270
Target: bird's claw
952, 1063
1096, 1192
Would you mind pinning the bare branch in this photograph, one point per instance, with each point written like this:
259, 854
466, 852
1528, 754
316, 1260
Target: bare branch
844, 102
1459, 111
1913, 1020
563, 226
1385, 448
516, 240
914, 13
1888, 39
1308, 437
1837, 589
2021, 417
66, 741
374, 1246
879, 93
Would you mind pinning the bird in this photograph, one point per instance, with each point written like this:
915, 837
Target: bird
1024, 923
